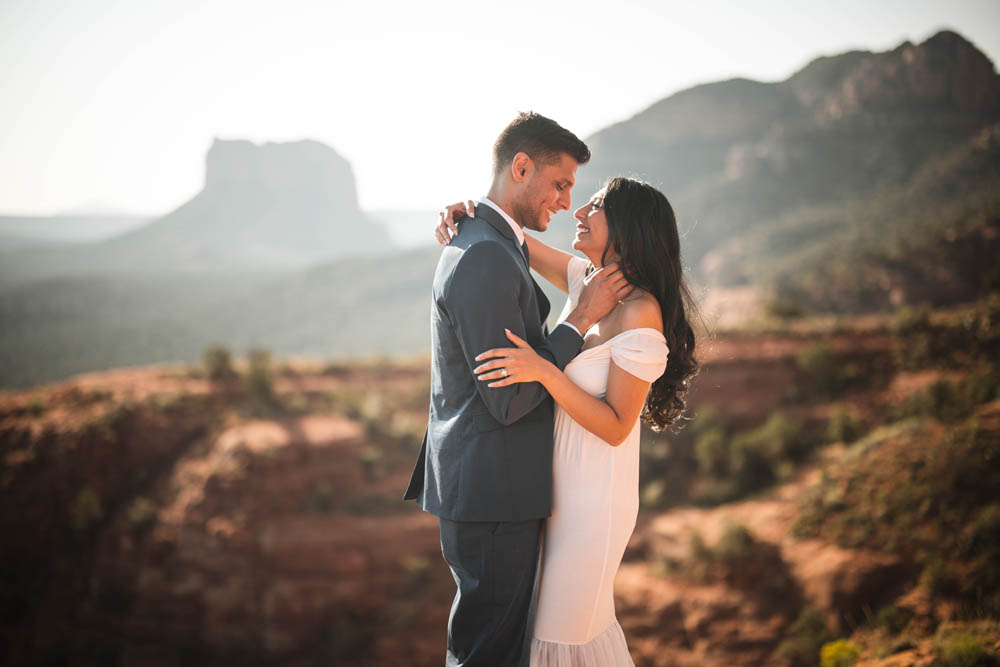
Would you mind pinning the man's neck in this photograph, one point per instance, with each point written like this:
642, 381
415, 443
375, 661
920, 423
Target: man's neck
496, 196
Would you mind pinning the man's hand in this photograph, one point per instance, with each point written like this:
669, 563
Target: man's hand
602, 290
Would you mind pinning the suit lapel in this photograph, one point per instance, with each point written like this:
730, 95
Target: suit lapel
498, 223
543, 302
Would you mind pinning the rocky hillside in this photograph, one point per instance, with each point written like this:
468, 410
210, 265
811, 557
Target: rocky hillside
766, 177
836, 483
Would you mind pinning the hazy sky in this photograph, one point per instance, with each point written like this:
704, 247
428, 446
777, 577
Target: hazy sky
115, 103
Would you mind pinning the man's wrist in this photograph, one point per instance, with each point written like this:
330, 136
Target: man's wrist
579, 322
571, 326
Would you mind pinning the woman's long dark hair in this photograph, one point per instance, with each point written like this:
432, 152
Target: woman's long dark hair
642, 229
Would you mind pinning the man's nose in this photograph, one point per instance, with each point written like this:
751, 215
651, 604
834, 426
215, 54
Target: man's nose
565, 201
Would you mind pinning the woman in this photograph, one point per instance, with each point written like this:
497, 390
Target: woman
621, 371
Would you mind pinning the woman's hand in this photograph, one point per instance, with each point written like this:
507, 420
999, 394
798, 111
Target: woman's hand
513, 364
448, 224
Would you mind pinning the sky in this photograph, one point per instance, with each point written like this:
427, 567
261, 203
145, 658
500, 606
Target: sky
111, 105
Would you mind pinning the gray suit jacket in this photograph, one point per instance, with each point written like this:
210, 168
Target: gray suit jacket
487, 454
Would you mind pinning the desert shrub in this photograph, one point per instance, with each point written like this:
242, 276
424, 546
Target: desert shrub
699, 558
218, 363
827, 373
141, 513
804, 638
941, 400
86, 509
107, 425
983, 384
733, 465
295, 403
963, 649
982, 535
921, 339
318, 498
820, 364
784, 309
893, 618
839, 653
260, 385
711, 448
751, 462
843, 426
371, 462
913, 337
734, 544
757, 454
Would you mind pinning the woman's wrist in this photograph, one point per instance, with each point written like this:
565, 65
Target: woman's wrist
549, 373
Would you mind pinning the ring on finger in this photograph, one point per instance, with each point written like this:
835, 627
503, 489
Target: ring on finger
503, 372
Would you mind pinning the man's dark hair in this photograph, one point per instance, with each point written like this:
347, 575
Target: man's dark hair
543, 139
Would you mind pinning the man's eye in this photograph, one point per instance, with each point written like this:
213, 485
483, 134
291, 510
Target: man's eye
560, 187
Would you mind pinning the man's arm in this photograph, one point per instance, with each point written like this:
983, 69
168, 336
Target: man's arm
482, 300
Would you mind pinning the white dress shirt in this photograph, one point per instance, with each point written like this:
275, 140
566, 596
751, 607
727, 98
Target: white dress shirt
519, 233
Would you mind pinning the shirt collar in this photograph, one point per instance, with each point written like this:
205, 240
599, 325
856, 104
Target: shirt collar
518, 232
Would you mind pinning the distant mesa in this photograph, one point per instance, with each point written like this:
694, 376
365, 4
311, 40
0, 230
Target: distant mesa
306, 167
275, 206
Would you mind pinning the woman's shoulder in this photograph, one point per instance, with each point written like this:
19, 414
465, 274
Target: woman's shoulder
640, 310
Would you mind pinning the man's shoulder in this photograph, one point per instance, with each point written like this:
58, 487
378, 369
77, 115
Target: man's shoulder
478, 240
476, 230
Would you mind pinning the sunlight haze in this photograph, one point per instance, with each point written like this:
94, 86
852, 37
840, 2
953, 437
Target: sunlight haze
114, 104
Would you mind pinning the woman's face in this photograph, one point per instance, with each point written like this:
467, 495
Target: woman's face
592, 229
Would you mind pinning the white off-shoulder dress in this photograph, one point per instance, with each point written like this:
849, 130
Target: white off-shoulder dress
595, 503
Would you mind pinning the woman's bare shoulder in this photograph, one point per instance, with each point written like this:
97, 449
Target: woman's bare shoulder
641, 310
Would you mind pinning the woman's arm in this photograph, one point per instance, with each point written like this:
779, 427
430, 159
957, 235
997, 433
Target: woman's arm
611, 419
550, 263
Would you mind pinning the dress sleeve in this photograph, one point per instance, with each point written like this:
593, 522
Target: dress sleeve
641, 352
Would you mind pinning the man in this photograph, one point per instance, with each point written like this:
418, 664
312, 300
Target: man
485, 467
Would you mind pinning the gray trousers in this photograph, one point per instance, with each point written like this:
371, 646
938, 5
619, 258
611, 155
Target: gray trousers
494, 564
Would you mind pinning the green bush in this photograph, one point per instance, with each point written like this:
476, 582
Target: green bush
839, 653
938, 579
982, 384
982, 535
711, 448
804, 638
86, 509
843, 426
217, 362
734, 544
962, 649
893, 618
142, 513
826, 373
260, 385
777, 439
784, 309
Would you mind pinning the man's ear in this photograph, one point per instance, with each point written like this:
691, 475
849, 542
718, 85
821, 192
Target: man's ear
521, 167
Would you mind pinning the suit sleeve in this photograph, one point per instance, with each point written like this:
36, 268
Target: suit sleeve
482, 299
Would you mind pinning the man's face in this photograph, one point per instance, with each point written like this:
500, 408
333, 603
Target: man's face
545, 192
